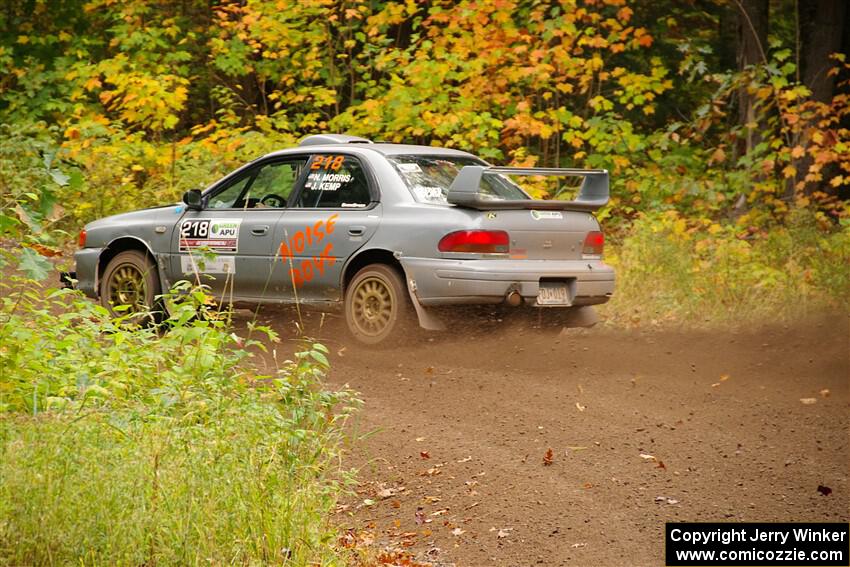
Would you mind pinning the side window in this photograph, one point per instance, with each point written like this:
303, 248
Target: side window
274, 183
227, 197
335, 181
268, 186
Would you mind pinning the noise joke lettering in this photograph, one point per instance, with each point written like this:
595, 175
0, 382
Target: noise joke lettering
306, 269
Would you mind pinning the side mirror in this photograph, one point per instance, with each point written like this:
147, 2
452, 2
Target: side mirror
193, 199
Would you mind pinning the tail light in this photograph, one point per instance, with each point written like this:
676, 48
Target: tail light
81, 239
594, 243
475, 242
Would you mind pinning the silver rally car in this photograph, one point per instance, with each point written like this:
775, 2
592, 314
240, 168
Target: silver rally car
385, 231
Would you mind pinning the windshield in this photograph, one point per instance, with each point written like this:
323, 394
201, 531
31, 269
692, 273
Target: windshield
429, 178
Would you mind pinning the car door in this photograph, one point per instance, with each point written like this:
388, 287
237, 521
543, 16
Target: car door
334, 213
230, 244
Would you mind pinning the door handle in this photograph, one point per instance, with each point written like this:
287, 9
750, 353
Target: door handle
356, 230
260, 230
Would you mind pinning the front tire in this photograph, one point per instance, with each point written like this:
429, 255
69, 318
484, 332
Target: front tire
130, 279
376, 304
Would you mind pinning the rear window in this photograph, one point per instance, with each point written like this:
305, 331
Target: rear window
429, 178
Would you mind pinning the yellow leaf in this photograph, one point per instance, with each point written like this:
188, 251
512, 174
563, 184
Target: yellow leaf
789, 171
798, 152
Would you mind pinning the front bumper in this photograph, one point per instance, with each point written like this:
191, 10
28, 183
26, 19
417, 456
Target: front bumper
86, 275
439, 281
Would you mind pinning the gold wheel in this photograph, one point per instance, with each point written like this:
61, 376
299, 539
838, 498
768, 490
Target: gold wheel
376, 305
130, 279
373, 306
127, 287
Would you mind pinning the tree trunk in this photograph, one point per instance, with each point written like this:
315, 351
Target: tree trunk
752, 41
823, 31
822, 24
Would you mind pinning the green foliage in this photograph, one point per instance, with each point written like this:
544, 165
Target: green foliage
674, 269
112, 106
124, 445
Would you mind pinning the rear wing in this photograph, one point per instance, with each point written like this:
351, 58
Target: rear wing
592, 195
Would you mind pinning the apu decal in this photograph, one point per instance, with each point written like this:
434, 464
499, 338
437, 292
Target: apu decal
305, 270
220, 235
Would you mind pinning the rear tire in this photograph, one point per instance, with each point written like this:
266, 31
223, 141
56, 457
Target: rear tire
130, 278
377, 309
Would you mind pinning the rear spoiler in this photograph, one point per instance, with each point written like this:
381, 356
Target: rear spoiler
592, 195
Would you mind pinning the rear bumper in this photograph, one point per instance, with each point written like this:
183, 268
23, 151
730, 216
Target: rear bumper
446, 282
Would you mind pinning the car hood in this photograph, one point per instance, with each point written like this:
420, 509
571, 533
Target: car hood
151, 226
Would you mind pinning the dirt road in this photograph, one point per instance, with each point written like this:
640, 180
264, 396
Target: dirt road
644, 428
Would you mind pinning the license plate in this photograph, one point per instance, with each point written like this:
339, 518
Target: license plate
553, 294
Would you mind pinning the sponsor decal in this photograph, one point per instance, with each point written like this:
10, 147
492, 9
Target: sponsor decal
410, 167
542, 215
304, 270
219, 265
219, 235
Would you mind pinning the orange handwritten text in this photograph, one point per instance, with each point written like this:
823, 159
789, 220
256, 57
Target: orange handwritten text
308, 267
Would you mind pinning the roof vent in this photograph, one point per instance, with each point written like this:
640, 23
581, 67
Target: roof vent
324, 139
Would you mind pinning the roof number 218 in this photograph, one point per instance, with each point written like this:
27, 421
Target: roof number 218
327, 162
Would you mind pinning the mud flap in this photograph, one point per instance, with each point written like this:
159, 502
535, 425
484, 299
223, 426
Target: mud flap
427, 320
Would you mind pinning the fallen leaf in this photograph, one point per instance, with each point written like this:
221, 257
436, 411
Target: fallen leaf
368, 502
809, 401
420, 516
825, 393
457, 532
386, 493
588, 485
580, 407
503, 533
724, 377
825, 490
648, 457
577, 545
716, 384
432, 499
340, 352
672, 501
661, 465
420, 439
396, 504
429, 370
425, 454
466, 460
440, 512
44, 250
549, 457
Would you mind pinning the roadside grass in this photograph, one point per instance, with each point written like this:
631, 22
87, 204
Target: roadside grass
673, 270
143, 446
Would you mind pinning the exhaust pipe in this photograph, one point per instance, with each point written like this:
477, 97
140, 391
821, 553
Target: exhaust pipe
514, 299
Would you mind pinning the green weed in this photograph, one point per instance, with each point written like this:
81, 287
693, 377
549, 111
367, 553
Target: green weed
143, 446
674, 269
